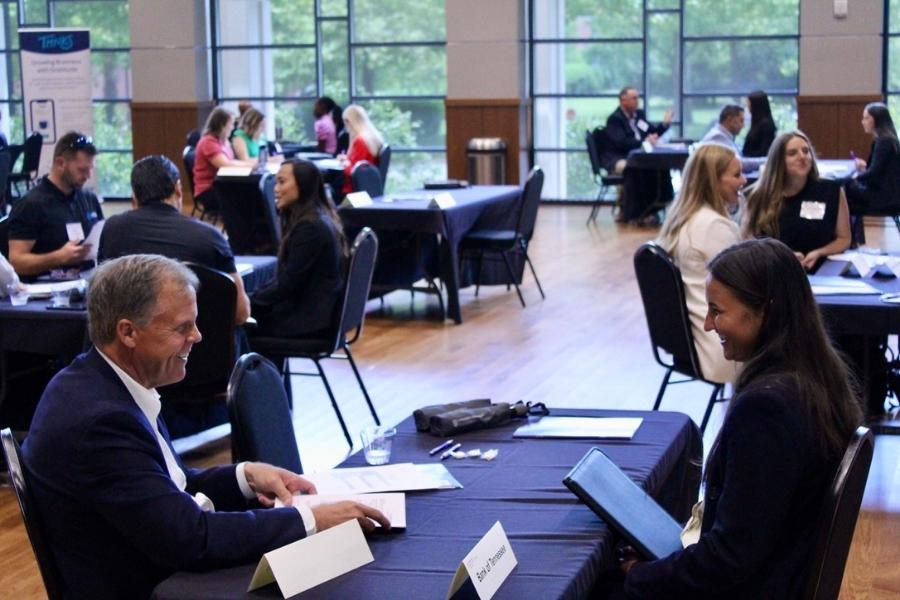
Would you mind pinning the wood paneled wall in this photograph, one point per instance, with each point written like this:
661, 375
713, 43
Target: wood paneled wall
505, 118
162, 128
833, 124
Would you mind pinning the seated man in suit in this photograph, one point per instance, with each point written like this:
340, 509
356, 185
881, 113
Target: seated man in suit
47, 226
119, 509
731, 121
627, 128
158, 227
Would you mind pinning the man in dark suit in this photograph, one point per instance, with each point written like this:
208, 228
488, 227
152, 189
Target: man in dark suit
120, 510
627, 128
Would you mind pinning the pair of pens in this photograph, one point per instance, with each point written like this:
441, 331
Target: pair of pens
437, 449
450, 451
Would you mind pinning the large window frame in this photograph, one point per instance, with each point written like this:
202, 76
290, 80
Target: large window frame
566, 157
891, 38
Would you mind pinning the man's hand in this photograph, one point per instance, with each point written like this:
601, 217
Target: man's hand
72, 253
667, 118
652, 138
271, 482
329, 515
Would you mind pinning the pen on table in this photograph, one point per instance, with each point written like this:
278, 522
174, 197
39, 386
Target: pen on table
452, 449
437, 449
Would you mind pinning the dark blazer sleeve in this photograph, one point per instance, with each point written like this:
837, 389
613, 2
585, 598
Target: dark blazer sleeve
307, 243
121, 477
620, 135
879, 162
762, 446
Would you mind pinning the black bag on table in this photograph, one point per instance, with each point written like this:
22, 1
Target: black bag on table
459, 417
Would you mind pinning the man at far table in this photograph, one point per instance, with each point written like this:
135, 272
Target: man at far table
47, 226
627, 128
120, 511
157, 226
731, 122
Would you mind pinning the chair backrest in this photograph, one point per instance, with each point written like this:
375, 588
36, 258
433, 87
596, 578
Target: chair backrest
193, 137
662, 292
593, 153
213, 358
531, 201
606, 154
19, 478
5, 166
358, 284
384, 161
273, 221
31, 151
261, 426
4, 236
365, 177
189, 155
837, 518
343, 141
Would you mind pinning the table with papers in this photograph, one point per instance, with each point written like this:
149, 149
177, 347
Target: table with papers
561, 546
854, 312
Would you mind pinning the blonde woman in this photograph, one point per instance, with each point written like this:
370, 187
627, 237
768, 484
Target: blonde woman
696, 229
247, 137
792, 204
365, 141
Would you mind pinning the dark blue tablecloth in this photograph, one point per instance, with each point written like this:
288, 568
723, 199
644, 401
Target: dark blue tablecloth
561, 546
859, 314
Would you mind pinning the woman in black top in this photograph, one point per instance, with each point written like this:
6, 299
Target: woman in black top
789, 202
762, 125
876, 183
787, 427
310, 278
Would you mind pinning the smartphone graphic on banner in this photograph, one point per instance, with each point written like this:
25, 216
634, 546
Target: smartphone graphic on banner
43, 119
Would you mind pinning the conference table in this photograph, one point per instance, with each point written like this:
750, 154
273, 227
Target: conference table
561, 546
647, 184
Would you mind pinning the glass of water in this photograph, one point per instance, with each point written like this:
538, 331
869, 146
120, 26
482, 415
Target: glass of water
17, 294
377, 444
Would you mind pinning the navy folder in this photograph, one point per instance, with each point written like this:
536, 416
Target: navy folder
627, 508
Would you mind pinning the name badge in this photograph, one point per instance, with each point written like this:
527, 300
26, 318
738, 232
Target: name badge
75, 232
487, 566
814, 211
643, 126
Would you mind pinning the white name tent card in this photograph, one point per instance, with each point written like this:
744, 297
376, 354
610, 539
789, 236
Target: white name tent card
392, 506
399, 477
580, 427
234, 171
357, 199
487, 566
442, 201
316, 559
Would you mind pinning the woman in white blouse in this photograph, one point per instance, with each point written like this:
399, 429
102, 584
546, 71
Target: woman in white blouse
697, 227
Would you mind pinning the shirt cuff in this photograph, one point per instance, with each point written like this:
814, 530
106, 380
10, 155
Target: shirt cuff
246, 490
309, 519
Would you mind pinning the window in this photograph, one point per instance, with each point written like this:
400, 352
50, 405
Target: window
693, 56
111, 68
892, 55
386, 55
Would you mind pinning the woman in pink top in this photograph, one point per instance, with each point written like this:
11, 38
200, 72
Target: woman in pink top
213, 152
365, 141
328, 124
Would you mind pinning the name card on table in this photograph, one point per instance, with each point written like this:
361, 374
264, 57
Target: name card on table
234, 171
358, 199
316, 559
487, 566
442, 201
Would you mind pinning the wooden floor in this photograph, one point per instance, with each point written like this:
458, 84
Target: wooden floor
584, 346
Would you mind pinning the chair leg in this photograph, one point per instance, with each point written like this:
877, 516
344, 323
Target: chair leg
662, 389
478, 272
709, 406
337, 411
362, 386
512, 277
533, 273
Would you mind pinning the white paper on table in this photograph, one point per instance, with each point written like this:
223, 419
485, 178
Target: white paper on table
387, 478
45, 289
234, 171
392, 505
580, 427
93, 239
312, 560
329, 164
244, 268
829, 285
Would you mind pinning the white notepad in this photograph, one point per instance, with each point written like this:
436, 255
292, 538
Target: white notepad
580, 427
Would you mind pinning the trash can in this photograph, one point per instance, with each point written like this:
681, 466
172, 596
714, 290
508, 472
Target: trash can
487, 161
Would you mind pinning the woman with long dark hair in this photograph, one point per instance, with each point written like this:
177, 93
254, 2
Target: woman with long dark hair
790, 202
762, 125
876, 184
311, 257
787, 427
329, 124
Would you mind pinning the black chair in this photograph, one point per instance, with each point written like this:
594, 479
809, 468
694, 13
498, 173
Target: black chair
261, 426
31, 160
343, 142
594, 141
365, 177
270, 213
19, 477
837, 518
189, 156
193, 137
384, 161
5, 166
504, 241
662, 292
197, 402
351, 314
4, 236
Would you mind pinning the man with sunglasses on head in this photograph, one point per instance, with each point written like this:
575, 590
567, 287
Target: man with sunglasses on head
47, 227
